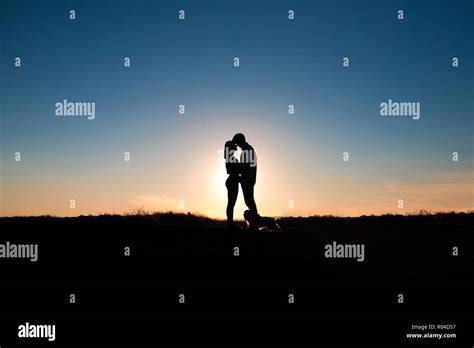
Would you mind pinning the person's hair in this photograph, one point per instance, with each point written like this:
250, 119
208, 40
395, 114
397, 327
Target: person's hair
239, 138
231, 145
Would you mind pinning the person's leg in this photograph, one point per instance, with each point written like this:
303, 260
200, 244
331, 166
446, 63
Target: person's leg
232, 192
249, 198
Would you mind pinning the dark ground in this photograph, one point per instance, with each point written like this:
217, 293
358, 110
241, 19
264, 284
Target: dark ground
173, 254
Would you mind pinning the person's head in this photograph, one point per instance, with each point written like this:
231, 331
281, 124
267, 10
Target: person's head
229, 148
239, 139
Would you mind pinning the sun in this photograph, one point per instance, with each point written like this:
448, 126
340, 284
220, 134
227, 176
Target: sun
220, 176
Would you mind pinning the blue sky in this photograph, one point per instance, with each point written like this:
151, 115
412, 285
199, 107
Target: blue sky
189, 62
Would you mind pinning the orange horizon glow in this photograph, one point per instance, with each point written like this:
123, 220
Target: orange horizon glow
444, 193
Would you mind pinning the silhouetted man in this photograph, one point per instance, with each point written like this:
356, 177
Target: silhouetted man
248, 173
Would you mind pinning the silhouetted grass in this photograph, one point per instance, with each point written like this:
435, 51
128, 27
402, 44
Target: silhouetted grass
299, 222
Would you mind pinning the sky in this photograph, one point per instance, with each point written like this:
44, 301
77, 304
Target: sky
174, 158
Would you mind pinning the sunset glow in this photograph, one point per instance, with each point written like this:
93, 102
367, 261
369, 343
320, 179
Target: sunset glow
174, 157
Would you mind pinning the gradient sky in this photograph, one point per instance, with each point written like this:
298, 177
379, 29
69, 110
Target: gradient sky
190, 62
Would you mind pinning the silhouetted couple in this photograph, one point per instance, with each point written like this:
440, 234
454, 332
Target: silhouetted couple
243, 172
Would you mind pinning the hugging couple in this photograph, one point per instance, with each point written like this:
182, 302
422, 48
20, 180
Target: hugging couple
243, 172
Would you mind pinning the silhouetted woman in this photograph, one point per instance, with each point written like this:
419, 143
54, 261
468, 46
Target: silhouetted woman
232, 182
